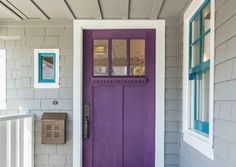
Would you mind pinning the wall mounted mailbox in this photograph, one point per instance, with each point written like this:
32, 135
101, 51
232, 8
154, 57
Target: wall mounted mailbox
46, 68
54, 128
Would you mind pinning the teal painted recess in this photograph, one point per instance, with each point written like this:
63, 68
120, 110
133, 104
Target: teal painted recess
40, 66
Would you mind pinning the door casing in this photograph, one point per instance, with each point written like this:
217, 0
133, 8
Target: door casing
79, 26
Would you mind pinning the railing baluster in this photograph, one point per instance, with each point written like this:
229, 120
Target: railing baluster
16, 141
8, 144
3, 140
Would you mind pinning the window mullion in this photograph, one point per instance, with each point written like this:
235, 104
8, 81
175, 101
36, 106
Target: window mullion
128, 57
201, 37
109, 57
190, 46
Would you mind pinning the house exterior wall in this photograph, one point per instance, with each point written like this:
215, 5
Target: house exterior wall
172, 93
224, 93
22, 97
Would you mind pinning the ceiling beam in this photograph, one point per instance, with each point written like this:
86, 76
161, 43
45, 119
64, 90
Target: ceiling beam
69, 10
39, 11
15, 15
156, 8
15, 9
124, 7
97, 9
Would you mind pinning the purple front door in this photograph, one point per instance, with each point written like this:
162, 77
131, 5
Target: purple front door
119, 95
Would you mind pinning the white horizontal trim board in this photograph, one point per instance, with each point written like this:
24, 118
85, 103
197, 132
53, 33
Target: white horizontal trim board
199, 142
79, 26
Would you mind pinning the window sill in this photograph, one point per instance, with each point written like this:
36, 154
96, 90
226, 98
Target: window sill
199, 142
46, 85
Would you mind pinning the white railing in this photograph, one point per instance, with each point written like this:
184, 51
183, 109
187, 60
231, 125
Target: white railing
17, 140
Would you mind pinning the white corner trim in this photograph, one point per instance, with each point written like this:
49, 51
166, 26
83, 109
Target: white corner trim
36, 67
79, 26
3, 79
197, 141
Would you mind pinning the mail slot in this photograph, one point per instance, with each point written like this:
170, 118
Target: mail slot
54, 128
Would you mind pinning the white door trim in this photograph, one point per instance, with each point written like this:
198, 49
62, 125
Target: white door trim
79, 26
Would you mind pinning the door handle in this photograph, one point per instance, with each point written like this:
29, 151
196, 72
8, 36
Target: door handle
86, 120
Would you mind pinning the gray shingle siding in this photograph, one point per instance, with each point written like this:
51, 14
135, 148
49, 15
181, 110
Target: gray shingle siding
20, 91
224, 94
172, 94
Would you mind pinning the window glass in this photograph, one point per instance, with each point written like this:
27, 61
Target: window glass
206, 17
47, 68
195, 54
206, 47
100, 57
203, 97
119, 57
196, 29
137, 57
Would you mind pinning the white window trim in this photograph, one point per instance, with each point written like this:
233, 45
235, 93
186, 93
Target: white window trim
36, 69
79, 26
3, 89
199, 142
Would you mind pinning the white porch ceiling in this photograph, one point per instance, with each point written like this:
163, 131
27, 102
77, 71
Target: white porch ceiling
90, 9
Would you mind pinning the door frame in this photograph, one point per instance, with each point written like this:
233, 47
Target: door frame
79, 26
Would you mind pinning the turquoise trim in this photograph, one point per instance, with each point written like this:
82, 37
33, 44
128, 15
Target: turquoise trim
203, 67
198, 39
201, 126
200, 9
40, 63
196, 72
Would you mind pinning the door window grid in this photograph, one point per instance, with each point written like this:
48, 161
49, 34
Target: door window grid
199, 65
129, 68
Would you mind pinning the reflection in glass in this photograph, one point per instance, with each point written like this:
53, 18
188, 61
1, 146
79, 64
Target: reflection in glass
119, 57
100, 57
195, 54
196, 29
206, 48
47, 68
137, 57
206, 17
203, 96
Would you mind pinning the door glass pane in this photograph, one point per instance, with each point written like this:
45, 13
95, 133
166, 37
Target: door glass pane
196, 29
137, 57
100, 58
119, 57
203, 97
206, 48
47, 68
206, 17
195, 54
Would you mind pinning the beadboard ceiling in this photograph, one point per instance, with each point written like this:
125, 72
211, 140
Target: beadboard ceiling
90, 9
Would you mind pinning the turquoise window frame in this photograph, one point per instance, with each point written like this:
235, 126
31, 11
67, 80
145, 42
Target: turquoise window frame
40, 58
196, 71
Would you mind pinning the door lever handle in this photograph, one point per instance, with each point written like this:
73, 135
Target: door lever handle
86, 129
86, 118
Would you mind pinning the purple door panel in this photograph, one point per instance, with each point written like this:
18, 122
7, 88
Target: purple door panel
122, 108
